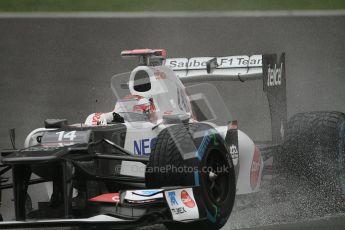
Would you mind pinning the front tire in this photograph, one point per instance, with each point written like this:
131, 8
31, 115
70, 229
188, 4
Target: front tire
197, 145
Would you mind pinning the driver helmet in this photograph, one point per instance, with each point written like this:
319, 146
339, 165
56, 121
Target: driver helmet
136, 104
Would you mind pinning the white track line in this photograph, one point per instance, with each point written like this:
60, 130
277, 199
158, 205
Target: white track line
180, 14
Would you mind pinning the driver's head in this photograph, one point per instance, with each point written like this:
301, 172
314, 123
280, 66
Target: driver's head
136, 104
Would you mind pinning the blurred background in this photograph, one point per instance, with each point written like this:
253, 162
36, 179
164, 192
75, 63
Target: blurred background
57, 58
59, 64
166, 5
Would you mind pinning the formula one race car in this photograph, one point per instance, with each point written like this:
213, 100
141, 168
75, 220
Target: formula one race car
166, 154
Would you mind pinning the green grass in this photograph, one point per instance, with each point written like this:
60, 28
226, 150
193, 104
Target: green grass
166, 5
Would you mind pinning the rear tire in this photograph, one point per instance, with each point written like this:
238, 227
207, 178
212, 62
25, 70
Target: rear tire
314, 150
217, 193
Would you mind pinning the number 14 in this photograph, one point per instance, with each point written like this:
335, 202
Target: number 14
66, 135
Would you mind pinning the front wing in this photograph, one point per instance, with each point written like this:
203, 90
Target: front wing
132, 208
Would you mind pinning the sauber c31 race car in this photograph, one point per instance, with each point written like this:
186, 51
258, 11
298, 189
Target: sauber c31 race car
167, 153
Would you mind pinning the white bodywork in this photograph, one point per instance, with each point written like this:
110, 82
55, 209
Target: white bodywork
170, 97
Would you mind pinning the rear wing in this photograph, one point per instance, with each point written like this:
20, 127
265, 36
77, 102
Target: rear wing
267, 68
230, 68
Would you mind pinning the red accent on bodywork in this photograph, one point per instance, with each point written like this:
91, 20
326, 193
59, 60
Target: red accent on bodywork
139, 52
109, 197
255, 169
136, 51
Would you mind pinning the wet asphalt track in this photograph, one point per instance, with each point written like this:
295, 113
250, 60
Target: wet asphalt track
58, 68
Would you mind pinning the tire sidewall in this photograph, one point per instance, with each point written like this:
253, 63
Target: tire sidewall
217, 213
189, 145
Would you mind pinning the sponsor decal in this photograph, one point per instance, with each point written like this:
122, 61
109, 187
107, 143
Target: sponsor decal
179, 210
186, 199
96, 119
182, 204
144, 146
177, 63
172, 197
147, 192
240, 61
195, 63
234, 151
274, 76
255, 168
223, 62
143, 195
234, 154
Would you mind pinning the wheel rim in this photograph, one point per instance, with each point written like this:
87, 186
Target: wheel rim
216, 177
